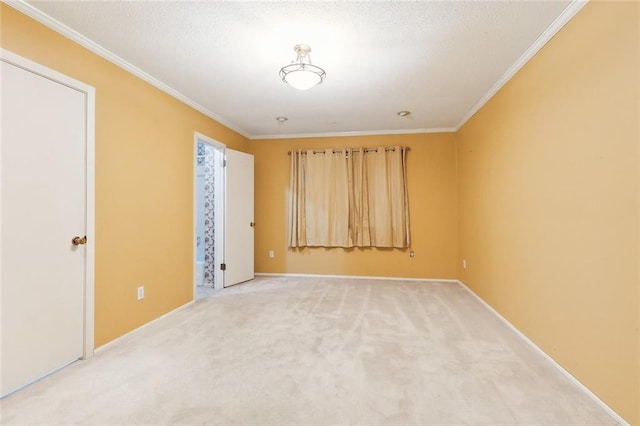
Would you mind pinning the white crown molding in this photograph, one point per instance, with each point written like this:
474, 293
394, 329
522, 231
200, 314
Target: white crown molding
59, 27
566, 15
345, 134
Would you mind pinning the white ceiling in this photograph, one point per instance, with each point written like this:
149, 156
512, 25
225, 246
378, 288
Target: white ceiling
441, 60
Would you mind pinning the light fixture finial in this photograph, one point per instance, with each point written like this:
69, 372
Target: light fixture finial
302, 51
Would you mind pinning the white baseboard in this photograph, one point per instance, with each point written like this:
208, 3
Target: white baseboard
616, 417
583, 388
117, 339
358, 277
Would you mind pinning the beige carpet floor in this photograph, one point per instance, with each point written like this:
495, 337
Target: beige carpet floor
314, 351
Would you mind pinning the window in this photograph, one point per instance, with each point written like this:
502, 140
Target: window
349, 197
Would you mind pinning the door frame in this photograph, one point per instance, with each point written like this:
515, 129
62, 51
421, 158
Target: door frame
90, 109
220, 189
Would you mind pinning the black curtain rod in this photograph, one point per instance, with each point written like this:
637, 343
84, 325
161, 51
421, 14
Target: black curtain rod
322, 151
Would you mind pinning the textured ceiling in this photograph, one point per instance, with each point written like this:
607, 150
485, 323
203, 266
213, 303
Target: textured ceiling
436, 59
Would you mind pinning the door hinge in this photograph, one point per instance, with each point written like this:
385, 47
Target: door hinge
224, 163
223, 266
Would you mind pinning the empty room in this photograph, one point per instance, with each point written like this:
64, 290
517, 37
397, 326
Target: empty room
320, 213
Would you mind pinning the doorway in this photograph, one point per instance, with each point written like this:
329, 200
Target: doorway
209, 221
223, 217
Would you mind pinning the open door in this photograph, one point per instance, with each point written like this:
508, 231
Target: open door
238, 252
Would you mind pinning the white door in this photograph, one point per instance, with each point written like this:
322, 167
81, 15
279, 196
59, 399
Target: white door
44, 135
238, 218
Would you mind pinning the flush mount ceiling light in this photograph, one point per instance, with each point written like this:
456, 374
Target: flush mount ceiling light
301, 74
281, 119
403, 113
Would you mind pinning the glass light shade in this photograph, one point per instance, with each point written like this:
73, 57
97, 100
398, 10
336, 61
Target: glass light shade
302, 76
303, 79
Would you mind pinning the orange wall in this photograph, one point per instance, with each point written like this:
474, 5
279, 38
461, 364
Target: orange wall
548, 201
144, 179
431, 174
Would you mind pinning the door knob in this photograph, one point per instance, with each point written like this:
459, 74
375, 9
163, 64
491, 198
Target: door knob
76, 241
252, 224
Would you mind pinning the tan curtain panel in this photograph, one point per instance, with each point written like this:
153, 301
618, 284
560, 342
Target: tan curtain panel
319, 199
349, 197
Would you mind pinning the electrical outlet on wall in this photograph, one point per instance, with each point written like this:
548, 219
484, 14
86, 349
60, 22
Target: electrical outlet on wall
271, 254
412, 253
141, 292
464, 263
